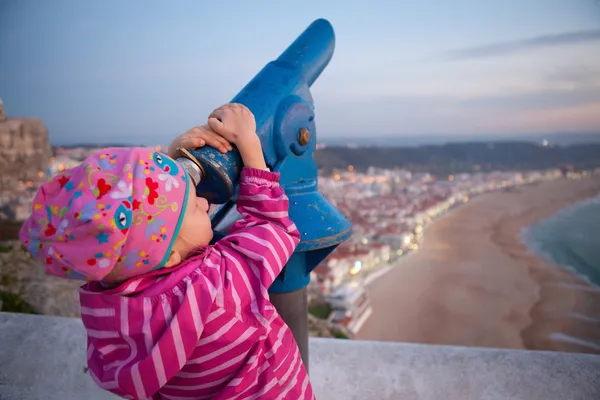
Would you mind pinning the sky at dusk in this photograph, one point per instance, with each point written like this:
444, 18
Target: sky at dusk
144, 71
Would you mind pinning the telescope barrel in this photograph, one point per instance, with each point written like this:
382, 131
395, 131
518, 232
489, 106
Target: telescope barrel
311, 51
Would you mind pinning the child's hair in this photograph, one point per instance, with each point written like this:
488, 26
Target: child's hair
114, 216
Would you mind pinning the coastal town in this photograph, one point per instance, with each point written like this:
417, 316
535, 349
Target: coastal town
389, 209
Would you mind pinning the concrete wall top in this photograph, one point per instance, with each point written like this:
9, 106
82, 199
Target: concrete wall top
44, 358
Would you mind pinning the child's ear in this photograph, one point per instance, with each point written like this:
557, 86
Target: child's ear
173, 260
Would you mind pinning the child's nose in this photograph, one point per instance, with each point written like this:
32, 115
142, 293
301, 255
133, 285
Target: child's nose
204, 203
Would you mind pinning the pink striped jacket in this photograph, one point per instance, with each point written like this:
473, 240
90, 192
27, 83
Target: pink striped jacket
205, 329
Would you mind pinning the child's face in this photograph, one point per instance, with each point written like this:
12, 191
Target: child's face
195, 230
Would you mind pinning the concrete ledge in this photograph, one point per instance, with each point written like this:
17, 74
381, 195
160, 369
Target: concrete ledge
44, 358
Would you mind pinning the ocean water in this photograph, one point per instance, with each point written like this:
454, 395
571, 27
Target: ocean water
570, 238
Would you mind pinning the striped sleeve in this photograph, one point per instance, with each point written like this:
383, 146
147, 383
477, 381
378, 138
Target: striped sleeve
137, 344
265, 237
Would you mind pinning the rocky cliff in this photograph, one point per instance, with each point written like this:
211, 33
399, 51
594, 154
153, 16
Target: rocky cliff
24, 148
25, 285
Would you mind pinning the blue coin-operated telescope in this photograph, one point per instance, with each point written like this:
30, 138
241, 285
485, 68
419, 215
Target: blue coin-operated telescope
280, 99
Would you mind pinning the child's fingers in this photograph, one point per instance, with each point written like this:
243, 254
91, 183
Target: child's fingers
203, 136
210, 138
190, 142
241, 107
220, 138
218, 113
215, 141
193, 142
214, 123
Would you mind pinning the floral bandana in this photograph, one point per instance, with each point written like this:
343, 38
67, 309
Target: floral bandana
112, 217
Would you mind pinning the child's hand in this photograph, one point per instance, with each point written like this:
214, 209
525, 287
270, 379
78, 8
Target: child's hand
198, 137
235, 122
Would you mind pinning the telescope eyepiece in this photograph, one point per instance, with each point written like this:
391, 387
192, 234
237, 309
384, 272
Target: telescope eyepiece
192, 169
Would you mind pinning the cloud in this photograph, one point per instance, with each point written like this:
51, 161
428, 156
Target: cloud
517, 46
580, 76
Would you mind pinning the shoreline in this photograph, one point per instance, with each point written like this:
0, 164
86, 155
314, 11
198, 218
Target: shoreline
533, 245
474, 282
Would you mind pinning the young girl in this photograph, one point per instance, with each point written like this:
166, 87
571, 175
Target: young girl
168, 316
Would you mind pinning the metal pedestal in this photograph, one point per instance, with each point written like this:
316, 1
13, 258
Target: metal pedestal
293, 308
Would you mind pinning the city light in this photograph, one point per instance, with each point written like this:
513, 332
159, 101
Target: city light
356, 268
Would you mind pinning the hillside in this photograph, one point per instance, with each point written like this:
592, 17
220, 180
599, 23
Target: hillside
461, 157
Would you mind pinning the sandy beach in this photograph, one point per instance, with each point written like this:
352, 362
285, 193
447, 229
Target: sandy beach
474, 283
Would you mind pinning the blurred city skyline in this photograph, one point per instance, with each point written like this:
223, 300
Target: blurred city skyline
143, 71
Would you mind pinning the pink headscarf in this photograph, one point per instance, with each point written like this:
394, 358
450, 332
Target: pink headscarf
112, 217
